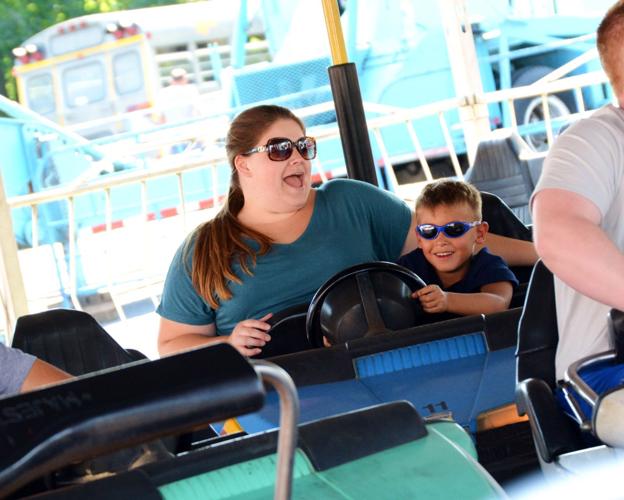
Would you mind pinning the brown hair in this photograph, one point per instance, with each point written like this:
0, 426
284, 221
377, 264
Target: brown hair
221, 240
610, 42
449, 192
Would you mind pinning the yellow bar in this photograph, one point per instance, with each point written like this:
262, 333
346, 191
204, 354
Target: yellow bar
231, 426
334, 32
499, 417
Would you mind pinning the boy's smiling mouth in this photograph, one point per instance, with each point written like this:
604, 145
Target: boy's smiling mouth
444, 254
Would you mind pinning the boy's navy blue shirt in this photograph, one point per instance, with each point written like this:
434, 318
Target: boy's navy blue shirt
484, 269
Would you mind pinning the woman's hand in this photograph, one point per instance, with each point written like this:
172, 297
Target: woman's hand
249, 335
432, 299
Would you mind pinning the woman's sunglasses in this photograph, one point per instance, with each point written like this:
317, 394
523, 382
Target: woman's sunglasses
452, 229
281, 148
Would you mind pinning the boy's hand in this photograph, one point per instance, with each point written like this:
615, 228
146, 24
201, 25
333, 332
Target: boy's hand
432, 299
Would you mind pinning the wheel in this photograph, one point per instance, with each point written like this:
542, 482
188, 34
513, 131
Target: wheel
530, 110
362, 301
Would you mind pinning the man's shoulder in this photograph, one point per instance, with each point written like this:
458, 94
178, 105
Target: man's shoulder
11, 357
607, 118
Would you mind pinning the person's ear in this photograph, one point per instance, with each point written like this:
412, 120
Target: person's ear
481, 230
242, 166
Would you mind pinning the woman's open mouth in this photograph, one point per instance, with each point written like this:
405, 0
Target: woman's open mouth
294, 180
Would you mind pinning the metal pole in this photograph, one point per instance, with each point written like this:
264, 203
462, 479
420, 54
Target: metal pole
288, 430
348, 102
14, 295
462, 55
239, 37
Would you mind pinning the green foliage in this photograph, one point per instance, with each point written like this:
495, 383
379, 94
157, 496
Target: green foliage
21, 19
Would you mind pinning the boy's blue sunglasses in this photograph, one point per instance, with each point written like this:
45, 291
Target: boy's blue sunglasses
453, 229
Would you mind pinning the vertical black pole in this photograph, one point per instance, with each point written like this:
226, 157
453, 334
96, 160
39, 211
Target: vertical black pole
352, 122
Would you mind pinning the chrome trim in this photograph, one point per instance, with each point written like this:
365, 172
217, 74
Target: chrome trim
289, 416
577, 383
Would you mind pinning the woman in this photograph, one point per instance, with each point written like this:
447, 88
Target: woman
276, 240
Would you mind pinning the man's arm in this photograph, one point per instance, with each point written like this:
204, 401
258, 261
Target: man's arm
41, 374
572, 245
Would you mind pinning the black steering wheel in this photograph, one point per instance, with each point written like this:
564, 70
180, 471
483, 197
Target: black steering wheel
287, 332
362, 301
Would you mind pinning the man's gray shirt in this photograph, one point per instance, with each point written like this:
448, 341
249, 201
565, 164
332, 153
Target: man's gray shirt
14, 367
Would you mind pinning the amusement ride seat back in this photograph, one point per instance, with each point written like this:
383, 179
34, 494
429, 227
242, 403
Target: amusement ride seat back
554, 432
75, 342
504, 222
499, 169
101, 413
501, 219
71, 340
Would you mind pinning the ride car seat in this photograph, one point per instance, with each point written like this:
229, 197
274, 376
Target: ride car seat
71, 340
502, 219
75, 342
554, 433
499, 169
504, 222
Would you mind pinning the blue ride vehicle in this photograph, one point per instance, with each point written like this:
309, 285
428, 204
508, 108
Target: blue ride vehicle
386, 451
462, 368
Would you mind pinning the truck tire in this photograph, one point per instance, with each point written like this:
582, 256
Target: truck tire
530, 109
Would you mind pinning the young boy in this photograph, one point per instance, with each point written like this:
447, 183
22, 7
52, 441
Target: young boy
461, 277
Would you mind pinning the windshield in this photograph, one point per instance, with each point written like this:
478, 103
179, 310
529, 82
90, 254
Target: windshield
40, 93
84, 84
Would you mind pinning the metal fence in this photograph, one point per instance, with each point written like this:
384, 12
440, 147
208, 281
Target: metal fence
127, 258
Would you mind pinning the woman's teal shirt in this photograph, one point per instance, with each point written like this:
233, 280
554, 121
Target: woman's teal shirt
352, 222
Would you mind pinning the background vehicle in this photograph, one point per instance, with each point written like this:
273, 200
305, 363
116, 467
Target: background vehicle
403, 62
104, 65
